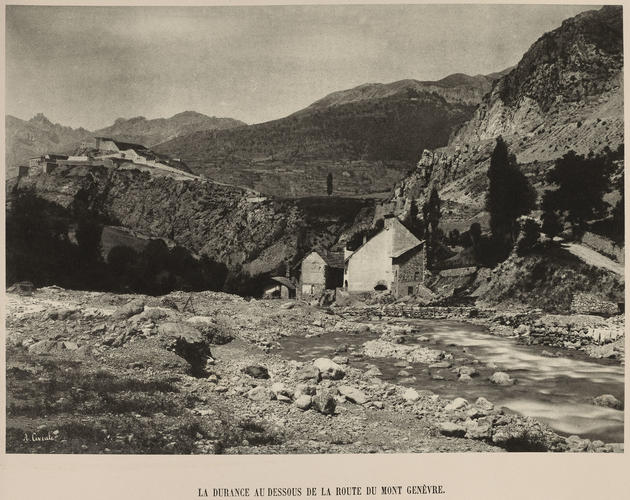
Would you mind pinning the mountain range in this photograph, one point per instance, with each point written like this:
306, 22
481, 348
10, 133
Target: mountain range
566, 93
368, 137
25, 139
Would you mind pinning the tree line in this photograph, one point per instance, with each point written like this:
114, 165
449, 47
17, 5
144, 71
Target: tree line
574, 203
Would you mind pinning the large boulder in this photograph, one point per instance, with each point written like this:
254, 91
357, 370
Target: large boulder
329, 369
476, 429
187, 342
502, 378
282, 392
324, 402
63, 313
307, 373
483, 404
256, 371
131, 308
353, 394
259, 393
22, 288
44, 347
609, 401
467, 370
303, 402
456, 404
452, 429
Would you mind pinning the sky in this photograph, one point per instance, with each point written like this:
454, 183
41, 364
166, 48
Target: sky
87, 66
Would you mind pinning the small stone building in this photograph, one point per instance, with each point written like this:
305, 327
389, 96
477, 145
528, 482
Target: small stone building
319, 271
279, 287
394, 259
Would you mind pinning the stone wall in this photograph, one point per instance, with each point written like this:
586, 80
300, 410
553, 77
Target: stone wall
459, 271
586, 303
417, 312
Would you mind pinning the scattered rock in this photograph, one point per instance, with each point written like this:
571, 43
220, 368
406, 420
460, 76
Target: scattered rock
71, 346
456, 404
477, 430
288, 305
483, 404
42, 347
136, 306
452, 429
259, 393
576, 443
609, 401
63, 313
329, 369
413, 354
187, 342
341, 360
502, 378
22, 288
465, 378
256, 371
522, 331
303, 402
441, 364
307, 373
411, 395
305, 389
279, 389
324, 402
373, 371
467, 370
353, 395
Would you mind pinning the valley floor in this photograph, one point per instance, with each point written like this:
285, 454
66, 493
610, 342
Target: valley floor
91, 372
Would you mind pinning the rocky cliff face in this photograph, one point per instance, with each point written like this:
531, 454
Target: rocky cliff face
230, 224
565, 94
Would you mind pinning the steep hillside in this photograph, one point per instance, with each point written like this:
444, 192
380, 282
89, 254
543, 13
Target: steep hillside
228, 224
381, 128
36, 136
565, 94
151, 132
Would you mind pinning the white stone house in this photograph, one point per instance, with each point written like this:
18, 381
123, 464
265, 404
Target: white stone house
394, 260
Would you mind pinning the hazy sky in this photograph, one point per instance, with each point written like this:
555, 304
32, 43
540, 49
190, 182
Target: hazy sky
87, 66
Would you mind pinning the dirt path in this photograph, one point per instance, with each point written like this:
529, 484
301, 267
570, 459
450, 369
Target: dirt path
594, 258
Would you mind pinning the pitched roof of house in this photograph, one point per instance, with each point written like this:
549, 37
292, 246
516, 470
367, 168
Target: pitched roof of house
402, 240
284, 281
332, 259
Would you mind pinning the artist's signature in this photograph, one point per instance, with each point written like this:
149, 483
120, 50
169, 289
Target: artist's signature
36, 438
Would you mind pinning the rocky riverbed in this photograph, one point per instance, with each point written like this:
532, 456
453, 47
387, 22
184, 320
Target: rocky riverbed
92, 372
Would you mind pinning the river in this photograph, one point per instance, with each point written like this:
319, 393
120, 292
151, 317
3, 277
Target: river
555, 386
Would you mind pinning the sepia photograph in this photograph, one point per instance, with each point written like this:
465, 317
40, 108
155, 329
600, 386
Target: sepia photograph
314, 230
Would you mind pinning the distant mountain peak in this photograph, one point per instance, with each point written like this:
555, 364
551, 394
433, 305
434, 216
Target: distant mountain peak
40, 118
